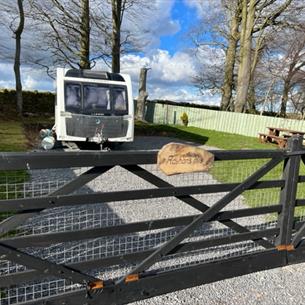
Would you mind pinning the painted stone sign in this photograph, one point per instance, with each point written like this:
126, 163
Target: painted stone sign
176, 158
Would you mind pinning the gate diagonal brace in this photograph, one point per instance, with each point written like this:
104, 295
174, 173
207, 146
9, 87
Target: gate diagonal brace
16, 220
44, 266
195, 203
206, 216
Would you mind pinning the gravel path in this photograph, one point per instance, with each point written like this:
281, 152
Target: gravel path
279, 286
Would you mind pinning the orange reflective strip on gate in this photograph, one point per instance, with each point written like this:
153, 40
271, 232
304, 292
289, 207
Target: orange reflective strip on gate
285, 247
96, 285
290, 247
131, 278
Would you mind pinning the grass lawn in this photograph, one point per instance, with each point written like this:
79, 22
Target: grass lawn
218, 139
12, 138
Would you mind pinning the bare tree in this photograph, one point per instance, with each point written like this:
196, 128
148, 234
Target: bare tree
211, 52
18, 33
279, 74
120, 37
228, 82
118, 8
256, 16
67, 31
242, 29
85, 35
298, 101
257, 53
294, 75
13, 18
79, 33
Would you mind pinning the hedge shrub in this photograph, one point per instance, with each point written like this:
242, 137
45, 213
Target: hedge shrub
40, 103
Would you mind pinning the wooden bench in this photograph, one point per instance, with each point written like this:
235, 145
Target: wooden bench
281, 141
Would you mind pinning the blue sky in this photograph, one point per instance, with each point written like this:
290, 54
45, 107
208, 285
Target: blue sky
169, 54
186, 16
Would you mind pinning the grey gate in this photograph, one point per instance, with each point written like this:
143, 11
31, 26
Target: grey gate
109, 228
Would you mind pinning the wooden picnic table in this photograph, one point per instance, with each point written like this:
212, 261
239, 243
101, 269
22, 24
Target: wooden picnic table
279, 135
277, 130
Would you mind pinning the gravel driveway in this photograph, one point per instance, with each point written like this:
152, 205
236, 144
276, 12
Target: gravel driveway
278, 286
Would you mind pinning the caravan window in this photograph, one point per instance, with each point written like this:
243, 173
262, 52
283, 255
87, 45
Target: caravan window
120, 100
73, 97
96, 99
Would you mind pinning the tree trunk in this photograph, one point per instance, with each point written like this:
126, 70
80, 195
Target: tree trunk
251, 97
116, 35
18, 34
140, 113
256, 57
244, 71
284, 99
85, 35
230, 61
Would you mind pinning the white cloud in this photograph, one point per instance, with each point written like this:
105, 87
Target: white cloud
181, 94
179, 68
32, 78
205, 8
7, 84
154, 21
170, 76
160, 18
30, 83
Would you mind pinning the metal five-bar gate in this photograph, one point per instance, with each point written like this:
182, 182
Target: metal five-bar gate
110, 228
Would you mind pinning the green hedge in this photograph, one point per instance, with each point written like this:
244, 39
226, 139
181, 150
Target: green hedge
40, 103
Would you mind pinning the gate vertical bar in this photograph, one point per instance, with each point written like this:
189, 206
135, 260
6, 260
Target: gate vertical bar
288, 194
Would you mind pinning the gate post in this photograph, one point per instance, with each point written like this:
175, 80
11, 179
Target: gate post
288, 195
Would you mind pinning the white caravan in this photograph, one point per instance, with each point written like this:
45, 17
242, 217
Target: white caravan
93, 106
